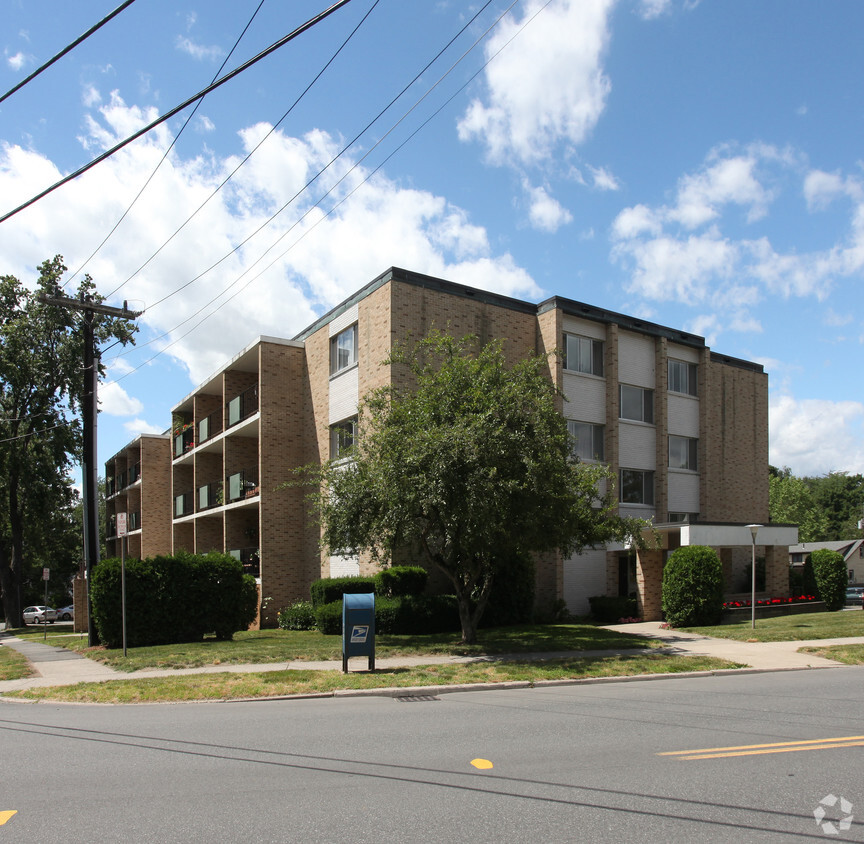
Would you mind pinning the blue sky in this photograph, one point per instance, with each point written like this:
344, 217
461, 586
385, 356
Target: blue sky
698, 164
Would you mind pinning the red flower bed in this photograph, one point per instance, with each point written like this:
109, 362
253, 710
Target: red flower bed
768, 602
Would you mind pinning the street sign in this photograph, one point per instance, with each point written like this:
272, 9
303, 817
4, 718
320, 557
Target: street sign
121, 524
46, 574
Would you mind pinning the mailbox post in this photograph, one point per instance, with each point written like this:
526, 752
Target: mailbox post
358, 628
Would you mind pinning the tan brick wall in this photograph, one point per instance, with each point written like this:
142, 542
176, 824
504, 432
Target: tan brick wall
155, 496
734, 483
661, 423
649, 579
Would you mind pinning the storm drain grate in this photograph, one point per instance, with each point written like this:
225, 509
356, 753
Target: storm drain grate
416, 698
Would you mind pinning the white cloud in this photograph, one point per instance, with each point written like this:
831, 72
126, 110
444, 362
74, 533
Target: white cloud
681, 252
312, 265
814, 437
204, 123
603, 179
17, 60
545, 212
198, 51
654, 8
115, 401
134, 427
547, 86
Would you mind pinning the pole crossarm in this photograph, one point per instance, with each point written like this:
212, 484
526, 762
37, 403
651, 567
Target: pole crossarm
89, 305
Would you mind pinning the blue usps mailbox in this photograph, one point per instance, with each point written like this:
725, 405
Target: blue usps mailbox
358, 628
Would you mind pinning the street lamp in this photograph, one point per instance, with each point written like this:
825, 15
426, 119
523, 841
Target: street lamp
754, 529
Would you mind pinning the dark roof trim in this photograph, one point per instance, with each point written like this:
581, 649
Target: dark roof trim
568, 306
750, 365
580, 309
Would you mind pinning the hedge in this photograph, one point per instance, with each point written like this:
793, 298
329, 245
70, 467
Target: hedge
171, 599
416, 615
398, 581
829, 569
329, 589
693, 587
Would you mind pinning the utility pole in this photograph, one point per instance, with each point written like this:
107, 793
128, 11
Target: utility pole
89, 412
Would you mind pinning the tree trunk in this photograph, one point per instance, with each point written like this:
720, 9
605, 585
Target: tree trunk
9, 587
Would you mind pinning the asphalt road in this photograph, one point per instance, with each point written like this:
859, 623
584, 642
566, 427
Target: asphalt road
568, 763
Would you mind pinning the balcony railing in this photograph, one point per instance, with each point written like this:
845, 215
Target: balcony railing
183, 504
209, 427
184, 441
242, 406
250, 558
243, 484
210, 495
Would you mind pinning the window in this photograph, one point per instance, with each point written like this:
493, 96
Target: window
683, 517
682, 377
636, 403
582, 354
637, 486
587, 440
342, 437
682, 453
343, 350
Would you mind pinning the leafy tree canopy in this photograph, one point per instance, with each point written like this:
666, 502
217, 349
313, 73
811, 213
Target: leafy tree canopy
41, 388
468, 463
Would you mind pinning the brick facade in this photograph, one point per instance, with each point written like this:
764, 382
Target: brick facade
298, 400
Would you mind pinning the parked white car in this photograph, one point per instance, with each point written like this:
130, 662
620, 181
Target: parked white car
39, 615
66, 613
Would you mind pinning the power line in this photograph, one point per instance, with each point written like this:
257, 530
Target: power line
40, 431
66, 50
167, 151
169, 114
245, 159
314, 178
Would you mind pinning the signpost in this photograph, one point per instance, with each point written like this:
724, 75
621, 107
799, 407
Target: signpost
122, 532
46, 573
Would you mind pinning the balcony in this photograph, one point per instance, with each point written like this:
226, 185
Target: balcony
250, 558
133, 521
133, 475
242, 485
210, 495
242, 406
183, 504
209, 427
110, 487
184, 440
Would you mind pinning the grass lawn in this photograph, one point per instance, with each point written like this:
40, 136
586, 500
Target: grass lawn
790, 628
850, 654
224, 686
13, 666
269, 646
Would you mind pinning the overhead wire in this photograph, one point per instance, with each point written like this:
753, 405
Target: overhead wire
166, 153
244, 160
67, 49
345, 198
177, 109
317, 175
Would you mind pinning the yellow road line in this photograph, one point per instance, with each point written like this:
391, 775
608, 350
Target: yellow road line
760, 749
4, 816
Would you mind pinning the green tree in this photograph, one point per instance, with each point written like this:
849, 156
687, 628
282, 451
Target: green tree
791, 501
468, 465
841, 498
41, 387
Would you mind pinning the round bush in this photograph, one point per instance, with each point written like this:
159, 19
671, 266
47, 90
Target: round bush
298, 616
693, 587
829, 570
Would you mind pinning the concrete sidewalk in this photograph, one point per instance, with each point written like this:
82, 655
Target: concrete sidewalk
60, 667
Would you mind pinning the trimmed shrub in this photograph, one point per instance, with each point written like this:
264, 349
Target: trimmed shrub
329, 589
608, 609
297, 616
832, 579
693, 587
409, 615
173, 599
401, 580
511, 600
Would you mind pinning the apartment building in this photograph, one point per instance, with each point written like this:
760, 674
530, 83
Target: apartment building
684, 430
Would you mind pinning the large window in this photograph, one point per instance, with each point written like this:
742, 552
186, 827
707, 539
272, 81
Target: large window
683, 453
342, 437
587, 440
582, 354
682, 377
637, 486
343, 350
637, 403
